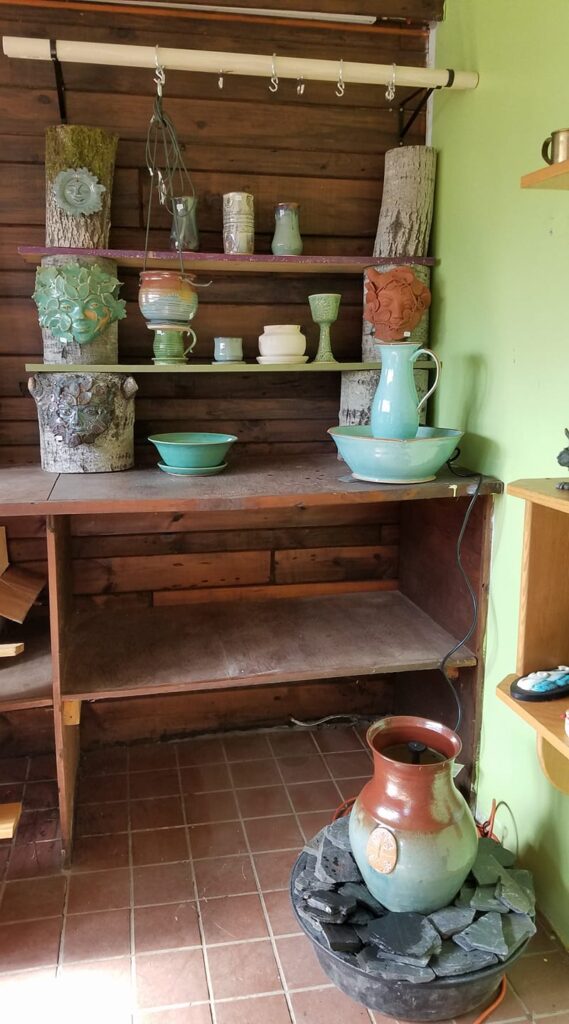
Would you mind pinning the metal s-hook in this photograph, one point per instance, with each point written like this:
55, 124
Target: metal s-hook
390, 91
274, 83
160, 75
300, 86
340, 86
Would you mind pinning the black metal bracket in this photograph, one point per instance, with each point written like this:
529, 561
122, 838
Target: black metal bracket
59, 83
404, 126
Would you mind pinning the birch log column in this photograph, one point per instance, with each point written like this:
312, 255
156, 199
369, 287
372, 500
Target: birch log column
403, 229
79, 171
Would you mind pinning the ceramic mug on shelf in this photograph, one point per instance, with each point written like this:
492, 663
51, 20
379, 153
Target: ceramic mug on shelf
559, 142
228, 350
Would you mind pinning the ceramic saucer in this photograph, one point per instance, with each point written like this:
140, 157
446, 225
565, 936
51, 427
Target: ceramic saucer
281, 359
194, 471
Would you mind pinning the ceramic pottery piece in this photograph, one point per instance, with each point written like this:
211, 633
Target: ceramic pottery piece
395, 407
184, 235
167, 296
238, 222
281, 360
77, 303
228, 350
412, 833
395, 301
168, 344
77, 192
282, 340
393, 461
199, 471
324, 309
86, 421
286, 239
193, 449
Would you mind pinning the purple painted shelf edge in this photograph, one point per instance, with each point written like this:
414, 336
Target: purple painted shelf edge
131, 256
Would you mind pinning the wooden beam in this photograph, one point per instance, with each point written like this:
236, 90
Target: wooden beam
71, 712
9, 818
10, 650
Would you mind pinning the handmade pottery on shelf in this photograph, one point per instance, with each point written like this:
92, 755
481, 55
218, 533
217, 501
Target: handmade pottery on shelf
238, 222
280, 340
282, 360
193, 449
389, 460
168, 344
228, 350
395, 408
184, 236
167, 296
189, 471
324, 309
286, 239
411, 831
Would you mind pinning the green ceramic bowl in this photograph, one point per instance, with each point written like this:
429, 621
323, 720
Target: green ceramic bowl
386, 460
191, 450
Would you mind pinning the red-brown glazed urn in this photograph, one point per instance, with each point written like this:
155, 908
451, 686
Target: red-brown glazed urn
412, 833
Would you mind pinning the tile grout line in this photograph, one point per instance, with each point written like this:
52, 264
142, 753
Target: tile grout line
285, 784
205, 957
132, 940
261, 896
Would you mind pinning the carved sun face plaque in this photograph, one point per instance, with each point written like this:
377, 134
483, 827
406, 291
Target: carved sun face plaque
78, 192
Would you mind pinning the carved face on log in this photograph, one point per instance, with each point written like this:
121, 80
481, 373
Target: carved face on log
395, 302
76, 408
77, 303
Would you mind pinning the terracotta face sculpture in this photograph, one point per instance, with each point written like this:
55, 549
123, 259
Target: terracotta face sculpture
77, 303
395, 302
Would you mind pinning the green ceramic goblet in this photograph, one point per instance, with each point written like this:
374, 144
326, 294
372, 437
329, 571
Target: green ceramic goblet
324, 309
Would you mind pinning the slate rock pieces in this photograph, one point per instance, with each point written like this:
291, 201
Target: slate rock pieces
517, 928
409, 938
361, 893
338, 833
335, 865
512, 894
342, 938
485, 899
505, 857
486, 868
465, 895
452, 960
331, 903
451, 920
525, 879
486, 933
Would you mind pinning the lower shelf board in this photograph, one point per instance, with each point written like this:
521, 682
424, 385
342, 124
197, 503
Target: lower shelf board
26, 680
546, 717
142, 651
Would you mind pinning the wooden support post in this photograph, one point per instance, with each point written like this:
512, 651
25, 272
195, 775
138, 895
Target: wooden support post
71, 712
66, 735
9, 818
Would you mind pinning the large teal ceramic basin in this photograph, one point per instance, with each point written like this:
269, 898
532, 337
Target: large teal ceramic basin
191, 450
392, 461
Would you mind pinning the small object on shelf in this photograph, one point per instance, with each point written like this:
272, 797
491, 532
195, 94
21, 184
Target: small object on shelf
324, 308
238, 222
86, 421
394, 460
228, 350
395, 407
168, 344
547, 684
286, 239
193, 449
189, 471
278, 340
559, 143
167, 296
184, 235
563, 460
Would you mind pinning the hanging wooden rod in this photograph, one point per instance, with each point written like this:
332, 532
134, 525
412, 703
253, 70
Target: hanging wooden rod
263, 66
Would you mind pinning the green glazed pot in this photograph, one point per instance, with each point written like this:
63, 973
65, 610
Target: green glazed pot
191, 450
388, 460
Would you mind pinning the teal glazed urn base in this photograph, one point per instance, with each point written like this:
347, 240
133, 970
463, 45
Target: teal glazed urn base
412, 833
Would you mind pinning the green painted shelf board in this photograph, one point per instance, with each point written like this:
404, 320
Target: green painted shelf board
423, 364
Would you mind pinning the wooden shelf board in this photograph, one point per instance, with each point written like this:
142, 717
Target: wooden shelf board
26, 681
228, 645
554, 176
542, 492
261, 482
207, 367
212, 262
545, 717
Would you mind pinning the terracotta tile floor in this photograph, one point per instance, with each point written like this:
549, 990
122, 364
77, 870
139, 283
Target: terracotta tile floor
176, 908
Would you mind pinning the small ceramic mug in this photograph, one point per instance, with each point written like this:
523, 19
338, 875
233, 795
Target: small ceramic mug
228, 350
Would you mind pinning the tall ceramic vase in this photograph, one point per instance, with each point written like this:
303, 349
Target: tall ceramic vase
411, 831
395, 408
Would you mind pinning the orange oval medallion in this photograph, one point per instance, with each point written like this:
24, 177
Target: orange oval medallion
382, 850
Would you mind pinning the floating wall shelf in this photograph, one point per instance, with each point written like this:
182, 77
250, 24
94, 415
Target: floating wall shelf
213, 262
205, 367
555, 176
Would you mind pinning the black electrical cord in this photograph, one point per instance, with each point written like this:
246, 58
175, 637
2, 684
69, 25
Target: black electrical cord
464, 474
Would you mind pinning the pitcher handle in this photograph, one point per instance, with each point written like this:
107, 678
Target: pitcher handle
427, 352
193, 334
545, 151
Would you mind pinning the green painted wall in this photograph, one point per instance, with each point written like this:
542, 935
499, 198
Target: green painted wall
501, 325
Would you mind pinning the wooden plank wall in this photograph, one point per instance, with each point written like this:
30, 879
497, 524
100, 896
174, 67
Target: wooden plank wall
319, 150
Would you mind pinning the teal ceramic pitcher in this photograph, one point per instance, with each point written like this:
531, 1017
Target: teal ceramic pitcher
395, 408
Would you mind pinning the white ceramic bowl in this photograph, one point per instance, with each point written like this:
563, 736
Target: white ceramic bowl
292, 360
281, 328
282, 344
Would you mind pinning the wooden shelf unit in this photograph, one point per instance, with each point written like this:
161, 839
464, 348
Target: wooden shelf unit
552, 176
264, 636
208, 367
543, 638
216, 262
